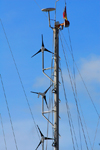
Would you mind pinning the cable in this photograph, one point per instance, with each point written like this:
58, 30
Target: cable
3, 132
88, 93
70, 116
37, 4
85, 88
80, 134
85, 125
39, 7
82, 78
19, 78
74, 83
71, 53
74, 95
96, 132
68, 111
9, 113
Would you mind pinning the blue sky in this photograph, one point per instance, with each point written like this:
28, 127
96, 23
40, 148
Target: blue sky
24, 22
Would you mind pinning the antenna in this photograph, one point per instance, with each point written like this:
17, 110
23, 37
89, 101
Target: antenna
48, 10
55, 9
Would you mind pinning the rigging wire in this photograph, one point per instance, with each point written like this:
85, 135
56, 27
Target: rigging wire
85, 126
9, 113
96, 132
73, 128
68, 110
76, 93
82, 79
80, 134
74, 83
37, 4
90, 98
39, 7
74, 135
3, 132
70, 114
88, 93
72, 57
86, 90
74, 96
19, 78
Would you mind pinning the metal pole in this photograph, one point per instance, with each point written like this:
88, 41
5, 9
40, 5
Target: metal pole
43, 144
56, 89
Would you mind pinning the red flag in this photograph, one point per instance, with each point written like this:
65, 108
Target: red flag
65, 14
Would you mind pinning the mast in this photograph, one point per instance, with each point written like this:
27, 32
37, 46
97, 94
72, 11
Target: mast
56, 29
56, 89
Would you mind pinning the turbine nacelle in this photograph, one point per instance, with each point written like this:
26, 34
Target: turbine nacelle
42, 94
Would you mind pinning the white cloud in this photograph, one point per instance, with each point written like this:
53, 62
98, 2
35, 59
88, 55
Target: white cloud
41, 82
90, 69
25, 133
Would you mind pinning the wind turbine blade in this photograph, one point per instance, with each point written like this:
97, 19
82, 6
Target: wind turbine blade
45, 101
34, 92
48, 51
38, 145
48, 89
36, 53
42, 41
46, 138
40, 131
